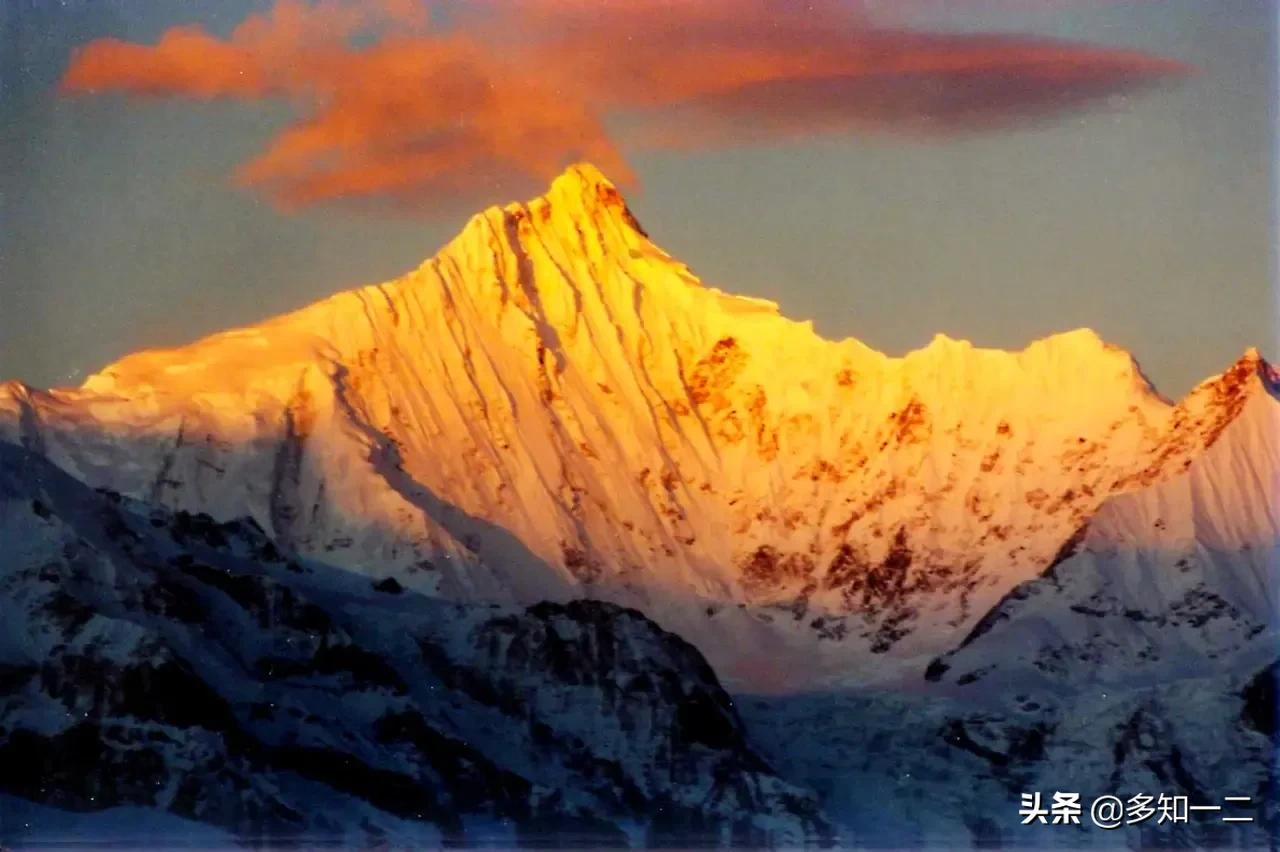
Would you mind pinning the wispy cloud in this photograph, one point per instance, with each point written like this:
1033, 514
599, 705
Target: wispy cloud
404, 104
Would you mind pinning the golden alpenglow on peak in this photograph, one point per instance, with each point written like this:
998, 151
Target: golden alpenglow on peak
583, 192
553, 404
538, 539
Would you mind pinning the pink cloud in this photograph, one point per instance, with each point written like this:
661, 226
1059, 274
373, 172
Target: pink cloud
393, 108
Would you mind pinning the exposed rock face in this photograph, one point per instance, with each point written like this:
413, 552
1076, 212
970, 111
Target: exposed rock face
1142, 662
181, 665
1168, 581
1039, 573
553, 405
939, 770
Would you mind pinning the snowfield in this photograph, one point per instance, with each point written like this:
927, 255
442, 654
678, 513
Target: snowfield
482, 553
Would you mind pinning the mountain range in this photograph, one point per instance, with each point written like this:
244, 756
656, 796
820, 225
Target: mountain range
553, 431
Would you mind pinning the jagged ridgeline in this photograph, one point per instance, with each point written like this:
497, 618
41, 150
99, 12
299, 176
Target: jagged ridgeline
553, 408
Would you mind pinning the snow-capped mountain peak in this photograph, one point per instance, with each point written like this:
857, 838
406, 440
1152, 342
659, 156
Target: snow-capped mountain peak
554, 406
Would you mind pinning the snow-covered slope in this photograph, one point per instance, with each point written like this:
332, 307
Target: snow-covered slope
1143, 661
554, 407
1067, 581
157, 668
924, 769
1175, 580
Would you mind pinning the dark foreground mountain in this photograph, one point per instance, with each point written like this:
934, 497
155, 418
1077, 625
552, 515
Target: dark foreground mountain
192, 669
949, 578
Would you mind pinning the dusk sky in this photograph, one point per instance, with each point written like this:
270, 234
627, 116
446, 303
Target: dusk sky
997, 170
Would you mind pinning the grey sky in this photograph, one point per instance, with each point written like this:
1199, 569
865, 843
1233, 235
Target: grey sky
1148, 218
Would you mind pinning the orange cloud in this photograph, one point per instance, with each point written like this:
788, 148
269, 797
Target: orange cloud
412, 119
396, 107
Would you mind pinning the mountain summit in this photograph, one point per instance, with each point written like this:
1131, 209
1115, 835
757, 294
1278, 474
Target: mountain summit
554, 407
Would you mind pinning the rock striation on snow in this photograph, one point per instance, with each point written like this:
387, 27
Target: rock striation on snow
553, 407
